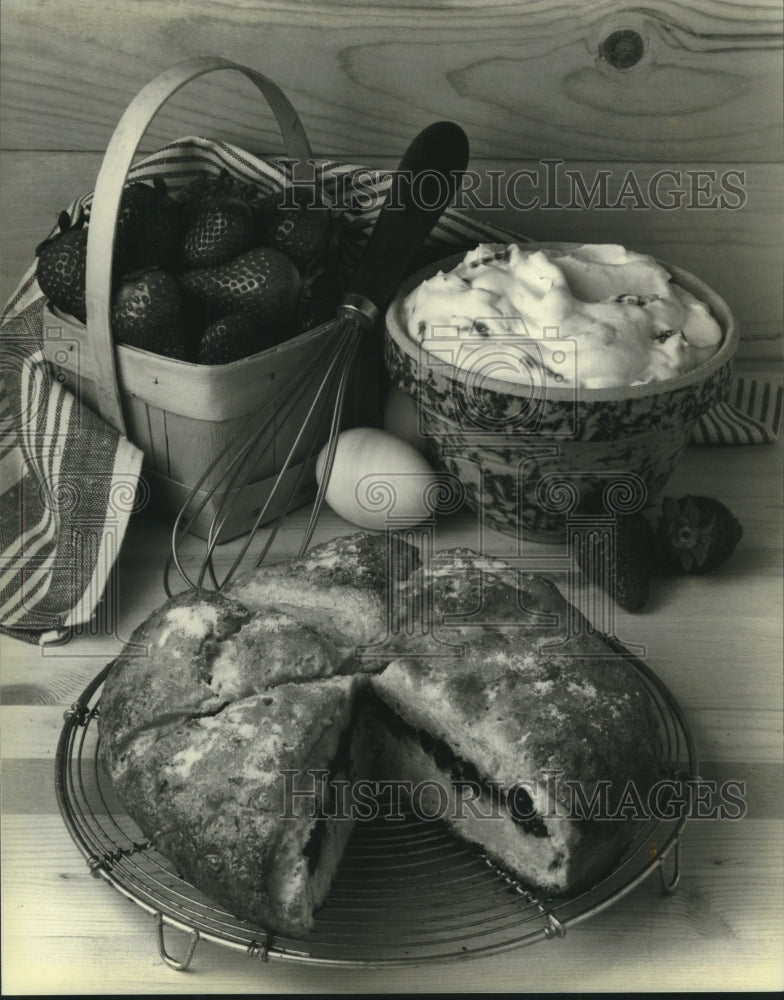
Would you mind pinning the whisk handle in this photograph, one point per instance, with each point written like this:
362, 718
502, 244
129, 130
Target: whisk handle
422, 188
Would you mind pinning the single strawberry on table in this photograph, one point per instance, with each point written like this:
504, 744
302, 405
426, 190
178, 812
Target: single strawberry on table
696, 534
618, 556
61, 267
147, 312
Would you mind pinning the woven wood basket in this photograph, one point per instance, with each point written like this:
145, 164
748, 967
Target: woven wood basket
183, 415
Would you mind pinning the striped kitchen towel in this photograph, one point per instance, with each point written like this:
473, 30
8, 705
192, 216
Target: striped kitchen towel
751, 415
68, 486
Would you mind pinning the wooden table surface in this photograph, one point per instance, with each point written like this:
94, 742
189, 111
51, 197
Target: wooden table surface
716, 642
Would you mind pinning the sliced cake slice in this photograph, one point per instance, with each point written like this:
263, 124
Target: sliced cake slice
524, 753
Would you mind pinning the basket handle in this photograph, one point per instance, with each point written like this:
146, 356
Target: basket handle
108, 191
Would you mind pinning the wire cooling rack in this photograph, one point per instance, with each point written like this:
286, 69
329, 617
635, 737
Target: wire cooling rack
406, 892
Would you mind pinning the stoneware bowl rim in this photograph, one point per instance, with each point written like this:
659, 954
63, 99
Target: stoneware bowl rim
717, 305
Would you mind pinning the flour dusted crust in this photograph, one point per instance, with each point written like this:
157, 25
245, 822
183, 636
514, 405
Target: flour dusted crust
341, 587
305, 665
546, 720
209, 792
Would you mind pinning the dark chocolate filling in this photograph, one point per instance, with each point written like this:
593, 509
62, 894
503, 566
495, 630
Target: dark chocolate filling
341, 764
462, 770
315, 843
520, 809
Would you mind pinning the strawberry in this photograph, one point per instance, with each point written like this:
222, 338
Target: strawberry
62, 261
262, 281
625, 570
696, 534
320, 298
208, 187
220, 224
191, 196
236, 336
147, 312
301, 231
148, 229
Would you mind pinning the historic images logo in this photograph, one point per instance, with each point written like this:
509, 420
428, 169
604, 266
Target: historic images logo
549, 185
315, 795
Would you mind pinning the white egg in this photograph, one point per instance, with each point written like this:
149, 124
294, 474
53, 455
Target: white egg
377, 478
401, 418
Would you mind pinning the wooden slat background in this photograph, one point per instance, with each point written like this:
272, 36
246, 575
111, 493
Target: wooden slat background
525, 79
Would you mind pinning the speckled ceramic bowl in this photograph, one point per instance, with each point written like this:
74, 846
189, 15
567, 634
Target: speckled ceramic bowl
528, 455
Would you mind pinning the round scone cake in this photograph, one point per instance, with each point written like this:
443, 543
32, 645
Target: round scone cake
230, 719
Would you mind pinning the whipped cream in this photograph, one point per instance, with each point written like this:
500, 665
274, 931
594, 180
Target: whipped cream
596, 315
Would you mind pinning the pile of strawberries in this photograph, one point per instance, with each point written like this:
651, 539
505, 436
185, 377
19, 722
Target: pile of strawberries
215, 275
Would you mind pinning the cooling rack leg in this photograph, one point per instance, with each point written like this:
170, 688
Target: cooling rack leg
260, 951
553, 927
669, 886
180, 966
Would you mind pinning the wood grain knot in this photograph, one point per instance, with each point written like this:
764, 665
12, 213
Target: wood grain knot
622, 49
